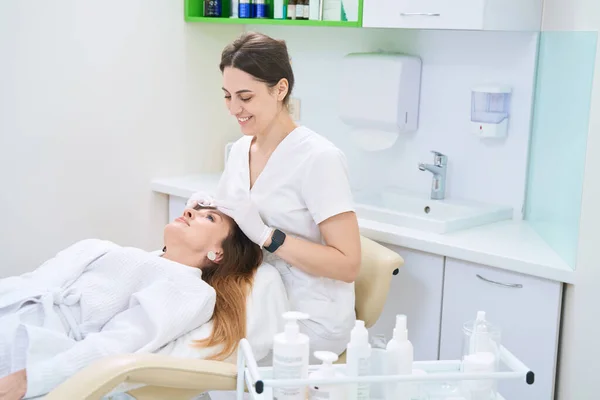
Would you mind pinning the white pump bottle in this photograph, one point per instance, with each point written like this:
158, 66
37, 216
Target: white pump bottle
327, 392
290, 357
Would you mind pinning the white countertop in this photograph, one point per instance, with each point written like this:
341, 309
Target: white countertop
509, 245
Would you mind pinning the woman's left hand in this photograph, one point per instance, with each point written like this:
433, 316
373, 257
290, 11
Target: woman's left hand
245, 214
14, 386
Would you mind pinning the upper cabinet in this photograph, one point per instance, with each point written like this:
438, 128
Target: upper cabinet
503, 15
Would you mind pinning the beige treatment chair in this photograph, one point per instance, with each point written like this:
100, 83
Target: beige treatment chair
171, 378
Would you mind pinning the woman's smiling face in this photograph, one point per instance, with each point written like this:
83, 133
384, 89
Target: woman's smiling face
254, 104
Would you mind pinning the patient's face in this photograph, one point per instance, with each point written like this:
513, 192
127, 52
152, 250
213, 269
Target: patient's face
198, 231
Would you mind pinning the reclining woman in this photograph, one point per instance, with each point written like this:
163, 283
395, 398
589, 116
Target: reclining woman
96, 299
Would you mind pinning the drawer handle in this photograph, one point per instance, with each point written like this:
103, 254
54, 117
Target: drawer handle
509, 285
421, 14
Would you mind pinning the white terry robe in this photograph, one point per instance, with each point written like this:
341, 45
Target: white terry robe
92, 300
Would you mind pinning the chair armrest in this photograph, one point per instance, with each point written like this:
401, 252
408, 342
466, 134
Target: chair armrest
101, 377
375, 253
372, 285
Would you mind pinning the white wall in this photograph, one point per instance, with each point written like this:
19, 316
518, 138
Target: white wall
97, 98
571, 15
579, 351
488, 171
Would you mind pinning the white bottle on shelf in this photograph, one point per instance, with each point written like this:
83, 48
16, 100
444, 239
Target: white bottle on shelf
326, 371
290, 357
358, 358
314, 10
399, 360
481, 353
278, 9
483, 338
332, 10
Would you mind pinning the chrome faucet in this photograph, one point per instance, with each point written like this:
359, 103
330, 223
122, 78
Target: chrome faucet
438, 169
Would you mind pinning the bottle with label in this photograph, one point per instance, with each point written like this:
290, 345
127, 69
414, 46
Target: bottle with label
291, 9
279, 9
306, 9
314, 10
261, 9
378, 365
212, 8
299, 9
244, 9
234, 9
358, 356
290, 357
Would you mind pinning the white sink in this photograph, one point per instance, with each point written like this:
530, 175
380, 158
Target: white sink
416, 211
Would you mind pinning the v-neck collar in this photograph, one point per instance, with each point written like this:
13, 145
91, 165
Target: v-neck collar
281, 144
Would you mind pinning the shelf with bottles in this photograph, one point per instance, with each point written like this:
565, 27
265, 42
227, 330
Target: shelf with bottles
429, 378
195, 12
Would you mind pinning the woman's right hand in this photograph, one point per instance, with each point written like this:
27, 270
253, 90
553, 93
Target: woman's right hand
202, 198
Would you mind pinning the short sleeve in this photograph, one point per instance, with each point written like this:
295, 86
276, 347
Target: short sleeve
326, 186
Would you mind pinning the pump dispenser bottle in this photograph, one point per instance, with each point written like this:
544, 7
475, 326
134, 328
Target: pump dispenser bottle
290, 357
358, 358
399, 357
326, 392
481, 353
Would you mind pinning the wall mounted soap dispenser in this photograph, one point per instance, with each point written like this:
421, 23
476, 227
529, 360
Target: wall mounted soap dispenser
490, 106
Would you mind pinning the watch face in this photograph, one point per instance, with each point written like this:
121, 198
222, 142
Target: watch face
279, 236
276, 240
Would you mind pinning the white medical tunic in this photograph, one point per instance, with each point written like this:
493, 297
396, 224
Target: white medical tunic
304, 182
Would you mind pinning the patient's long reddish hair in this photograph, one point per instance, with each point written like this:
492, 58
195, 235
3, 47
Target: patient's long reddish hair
232, 280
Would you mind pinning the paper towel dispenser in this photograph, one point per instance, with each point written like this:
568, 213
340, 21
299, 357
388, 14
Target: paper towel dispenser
380, 91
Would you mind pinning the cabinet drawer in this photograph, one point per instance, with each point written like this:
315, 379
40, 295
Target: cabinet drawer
424, 14
526, 308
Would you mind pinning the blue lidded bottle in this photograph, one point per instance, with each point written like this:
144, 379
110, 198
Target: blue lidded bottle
261, 9
245, 9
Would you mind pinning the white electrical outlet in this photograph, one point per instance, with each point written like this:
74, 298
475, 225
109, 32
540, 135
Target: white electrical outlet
294, 108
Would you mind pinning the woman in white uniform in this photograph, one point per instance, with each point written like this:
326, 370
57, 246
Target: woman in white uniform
287, 188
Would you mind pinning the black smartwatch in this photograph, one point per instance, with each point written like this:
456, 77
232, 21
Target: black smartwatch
276, 241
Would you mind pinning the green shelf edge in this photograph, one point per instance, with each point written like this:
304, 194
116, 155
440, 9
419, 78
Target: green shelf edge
266, 21
194, 9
